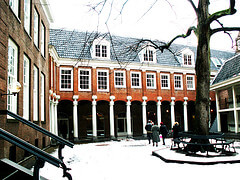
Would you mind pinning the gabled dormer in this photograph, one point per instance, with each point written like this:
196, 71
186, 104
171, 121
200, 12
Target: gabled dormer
100, 49
187, 58
148, 55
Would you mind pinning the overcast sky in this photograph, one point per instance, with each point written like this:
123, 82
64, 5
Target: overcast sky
163, 21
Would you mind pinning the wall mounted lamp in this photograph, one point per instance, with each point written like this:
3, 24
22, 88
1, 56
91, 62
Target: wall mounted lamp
13, 88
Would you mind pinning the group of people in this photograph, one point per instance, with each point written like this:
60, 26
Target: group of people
153, 132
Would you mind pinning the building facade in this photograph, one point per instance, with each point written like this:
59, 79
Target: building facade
227, 90
109, 86
24, 32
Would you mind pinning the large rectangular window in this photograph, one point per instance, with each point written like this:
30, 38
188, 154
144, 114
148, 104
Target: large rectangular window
12, 74
178, 82
119, 79
102, 80
36, 28
14, 5
136, 80
84, 79
42, 97
27, 15
35, 93
190, 82
26, 86
66, 79
165, 81
151, 80
43, 39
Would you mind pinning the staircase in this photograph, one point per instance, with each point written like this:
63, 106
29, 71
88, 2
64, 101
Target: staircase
12, 170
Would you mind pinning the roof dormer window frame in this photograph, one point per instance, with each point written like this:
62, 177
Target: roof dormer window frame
101, 49
148, 54
188, 58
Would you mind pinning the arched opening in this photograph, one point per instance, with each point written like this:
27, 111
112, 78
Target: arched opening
152, 111
191, 115
65, 119
120, 118
166, 114
103, 122
179, 117
136, 114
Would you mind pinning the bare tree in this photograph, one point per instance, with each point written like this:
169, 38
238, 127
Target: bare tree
203, 32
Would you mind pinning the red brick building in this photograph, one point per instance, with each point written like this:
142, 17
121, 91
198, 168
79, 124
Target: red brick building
24, 37
104, 86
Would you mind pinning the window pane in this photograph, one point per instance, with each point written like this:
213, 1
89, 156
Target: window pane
27, 11
66, 79
102, 80
135, 79
43, 39
36, 29
164, 81
97, 50
84, 80
104, 51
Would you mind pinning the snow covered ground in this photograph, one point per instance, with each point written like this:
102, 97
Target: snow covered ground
132, 160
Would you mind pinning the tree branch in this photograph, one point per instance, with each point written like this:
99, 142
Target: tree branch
224, 29
194, 7
230, 11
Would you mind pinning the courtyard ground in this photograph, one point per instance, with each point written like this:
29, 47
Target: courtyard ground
131, 159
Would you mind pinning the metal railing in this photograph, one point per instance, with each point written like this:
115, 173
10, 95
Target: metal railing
61, 142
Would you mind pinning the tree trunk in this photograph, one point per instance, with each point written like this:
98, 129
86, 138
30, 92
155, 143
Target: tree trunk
203, 70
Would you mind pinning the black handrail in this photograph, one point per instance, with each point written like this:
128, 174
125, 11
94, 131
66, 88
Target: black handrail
42, 156
38, 128
62, 142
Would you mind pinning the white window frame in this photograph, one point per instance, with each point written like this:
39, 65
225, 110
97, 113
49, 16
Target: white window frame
193, 82
12, 74
140, 80
14, 5
107, 79
43, 43
143, 53
101, 42
123, 81
27, 16
42, 95
60, 80
238, 44
26, 87
168, 80
175, 82
187, 52
35, 94
36, 28
154, 81
89, 80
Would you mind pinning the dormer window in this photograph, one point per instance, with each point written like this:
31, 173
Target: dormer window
187, 57
101, 49
148, 54
238, 44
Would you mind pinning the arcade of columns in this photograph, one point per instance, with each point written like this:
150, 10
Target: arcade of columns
54, 104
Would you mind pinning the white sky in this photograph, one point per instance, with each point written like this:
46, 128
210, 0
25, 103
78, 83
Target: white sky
162, 22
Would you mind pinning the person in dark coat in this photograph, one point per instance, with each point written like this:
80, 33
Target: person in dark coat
155, 135
163, 131
148, 128
176, 129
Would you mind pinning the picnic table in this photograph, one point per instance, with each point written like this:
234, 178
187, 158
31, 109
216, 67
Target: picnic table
192, 143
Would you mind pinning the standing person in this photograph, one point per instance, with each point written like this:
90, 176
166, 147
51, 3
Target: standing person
148, 128
176, 129
163, 131
155, 135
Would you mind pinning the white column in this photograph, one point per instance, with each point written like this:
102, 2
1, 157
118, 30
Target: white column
55, 115
185, 114
172, 111
159, 115
112, 116
75, 117
50, 115
235, 110
218, 114
144, 114
94, 116
129, 127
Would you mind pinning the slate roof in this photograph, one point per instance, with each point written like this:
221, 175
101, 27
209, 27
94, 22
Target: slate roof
77, 45
230, 68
